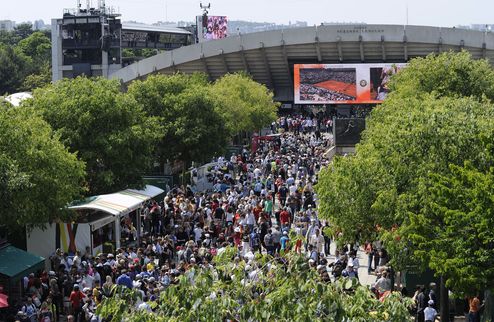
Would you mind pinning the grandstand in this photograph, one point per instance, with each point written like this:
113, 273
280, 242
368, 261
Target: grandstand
269, 56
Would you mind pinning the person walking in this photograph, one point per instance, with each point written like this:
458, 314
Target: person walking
430, 312
474, 309
76, 300
420, 301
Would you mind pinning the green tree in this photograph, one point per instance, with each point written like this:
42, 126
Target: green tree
106, 128
244, 104
193, 130
419, 132
461, 246
37, 46
40, 79
13, 64
289, 291
25, 63
9, 38
448, 74
38, 176
23, 30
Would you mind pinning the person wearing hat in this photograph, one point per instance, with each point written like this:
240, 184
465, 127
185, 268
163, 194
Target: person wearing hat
430, 312
284, 241
350, 271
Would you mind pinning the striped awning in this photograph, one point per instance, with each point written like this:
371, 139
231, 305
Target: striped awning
119, 203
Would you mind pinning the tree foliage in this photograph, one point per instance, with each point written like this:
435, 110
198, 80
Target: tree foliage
38, 176
193, 130
434, 121
199, 118
281, 291
245, 104
449, 74
456, 226
12, 69
25, 60
107, 129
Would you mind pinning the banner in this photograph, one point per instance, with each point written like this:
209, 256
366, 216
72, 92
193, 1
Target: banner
342, 83
211, 27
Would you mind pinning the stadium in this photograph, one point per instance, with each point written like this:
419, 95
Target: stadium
269, 57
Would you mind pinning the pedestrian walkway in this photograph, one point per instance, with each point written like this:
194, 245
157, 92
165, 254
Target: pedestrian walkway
364, 277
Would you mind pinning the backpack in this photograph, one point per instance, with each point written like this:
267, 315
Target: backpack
255, 240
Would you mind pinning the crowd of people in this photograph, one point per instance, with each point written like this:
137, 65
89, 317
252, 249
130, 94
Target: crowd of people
319, 75
262, 201
312, 93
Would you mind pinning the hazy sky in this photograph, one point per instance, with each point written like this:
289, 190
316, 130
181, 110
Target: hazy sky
445, 13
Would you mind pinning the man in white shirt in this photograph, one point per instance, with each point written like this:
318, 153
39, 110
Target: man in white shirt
87, 281
383, 284
197, 233
430, 313
317, 241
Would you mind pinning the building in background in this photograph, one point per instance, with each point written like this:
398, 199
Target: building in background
478, 27
89, 41
7, 25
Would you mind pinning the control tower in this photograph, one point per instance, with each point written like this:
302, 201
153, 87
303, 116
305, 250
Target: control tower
89, 41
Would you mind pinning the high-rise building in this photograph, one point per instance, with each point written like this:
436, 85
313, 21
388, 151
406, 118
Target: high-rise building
7, 25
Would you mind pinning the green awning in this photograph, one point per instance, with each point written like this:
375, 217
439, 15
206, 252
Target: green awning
16, 263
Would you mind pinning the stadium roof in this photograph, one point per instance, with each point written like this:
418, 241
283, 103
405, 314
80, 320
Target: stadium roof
150, 28
269, 56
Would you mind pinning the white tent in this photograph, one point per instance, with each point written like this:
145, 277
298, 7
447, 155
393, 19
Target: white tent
120, 203
17, 98
98, 212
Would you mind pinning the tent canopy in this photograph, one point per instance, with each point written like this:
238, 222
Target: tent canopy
119, 203
16, 263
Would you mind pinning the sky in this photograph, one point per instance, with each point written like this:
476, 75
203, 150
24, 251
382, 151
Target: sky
444, 13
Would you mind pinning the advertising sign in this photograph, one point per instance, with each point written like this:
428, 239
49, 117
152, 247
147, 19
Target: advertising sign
212, 27
342, 83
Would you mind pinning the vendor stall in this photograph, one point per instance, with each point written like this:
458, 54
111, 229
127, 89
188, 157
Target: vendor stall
98, 225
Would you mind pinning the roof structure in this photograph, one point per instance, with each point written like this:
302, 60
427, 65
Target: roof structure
269, 56
119, 203
126, 26
16, 263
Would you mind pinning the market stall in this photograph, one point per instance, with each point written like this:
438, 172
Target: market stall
99, 223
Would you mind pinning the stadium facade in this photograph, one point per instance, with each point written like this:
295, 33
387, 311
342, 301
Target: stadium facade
270, 56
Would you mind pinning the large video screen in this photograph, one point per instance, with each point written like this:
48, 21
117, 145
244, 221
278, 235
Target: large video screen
216, 28
342, 83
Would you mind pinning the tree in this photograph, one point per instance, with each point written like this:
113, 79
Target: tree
37, 46
13, 65
23, 30
244, 104
424, 129
285, 289
9, 38
193, 130
461, 247
107, 129
38, 176
448, 74
40, 79
25, 63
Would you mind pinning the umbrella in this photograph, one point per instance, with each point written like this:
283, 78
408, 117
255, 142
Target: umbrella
4, 301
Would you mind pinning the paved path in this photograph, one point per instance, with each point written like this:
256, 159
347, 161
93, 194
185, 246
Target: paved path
365, 279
